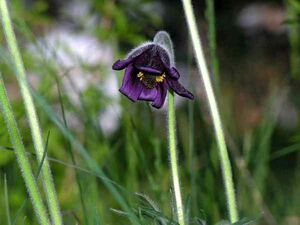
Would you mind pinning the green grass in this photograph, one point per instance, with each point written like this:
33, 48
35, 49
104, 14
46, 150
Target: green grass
124, 178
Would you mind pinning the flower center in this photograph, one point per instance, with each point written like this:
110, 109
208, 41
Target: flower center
149, 80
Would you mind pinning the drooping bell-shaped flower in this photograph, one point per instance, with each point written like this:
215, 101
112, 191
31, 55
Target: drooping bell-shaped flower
149, 74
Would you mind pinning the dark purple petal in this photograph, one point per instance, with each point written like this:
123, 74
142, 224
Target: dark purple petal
131, 86
161, 95
140, 50
151, 58
179, 89
121, 64
148, 70
173, 73
148, 94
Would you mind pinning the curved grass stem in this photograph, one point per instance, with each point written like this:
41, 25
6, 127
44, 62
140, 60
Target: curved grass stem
23, 162
203, 70
31, 114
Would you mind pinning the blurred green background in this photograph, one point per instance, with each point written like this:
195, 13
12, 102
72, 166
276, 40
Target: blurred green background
68, 48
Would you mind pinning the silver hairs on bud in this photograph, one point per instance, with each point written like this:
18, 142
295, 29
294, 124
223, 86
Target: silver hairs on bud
163, 39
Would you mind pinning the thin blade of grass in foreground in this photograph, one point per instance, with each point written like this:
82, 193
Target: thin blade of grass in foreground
203, 70
285, 151
83, 152
70, 150
20, 152
36, 177
192, 161
31, 114
70, 165
294, 37
6, 201
210, 16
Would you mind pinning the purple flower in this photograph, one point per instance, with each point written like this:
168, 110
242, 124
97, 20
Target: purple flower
149, 75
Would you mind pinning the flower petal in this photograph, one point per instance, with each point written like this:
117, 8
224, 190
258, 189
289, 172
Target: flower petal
131, 86
148, 94
179, 89
173, 73
150, 58
140, 50
161, 95
148, 70
121, 64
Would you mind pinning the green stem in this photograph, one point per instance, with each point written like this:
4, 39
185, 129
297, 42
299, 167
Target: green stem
6, 201
163, 38
210, 16
20, 152
173, 158
223, 154
294, 37
70, 150
31, 114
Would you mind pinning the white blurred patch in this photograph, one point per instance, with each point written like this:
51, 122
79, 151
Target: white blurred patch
262, 16
80, 12
69, 50
284, 111
288, 116
109, 118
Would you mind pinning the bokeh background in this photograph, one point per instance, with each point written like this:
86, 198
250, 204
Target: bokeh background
68, 48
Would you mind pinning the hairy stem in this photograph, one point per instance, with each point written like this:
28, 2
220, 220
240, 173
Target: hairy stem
20, 152
203, 70
163, 38
31, 114
173, 158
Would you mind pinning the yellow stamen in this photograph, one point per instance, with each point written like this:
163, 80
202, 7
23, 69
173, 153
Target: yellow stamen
140, 75
160, 78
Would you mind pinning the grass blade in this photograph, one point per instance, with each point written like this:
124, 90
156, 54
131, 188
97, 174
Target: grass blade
20, 152
6, 201
219, 134
36, 177
210, 16
70, 150
294, 38
31, 114
92, 164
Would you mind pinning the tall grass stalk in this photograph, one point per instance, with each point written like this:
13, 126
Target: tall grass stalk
70, 150
210, 16
293, 11
31, 114
6, 201
191, 118
37, 173
203, 70
164, 39
23, 162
